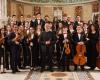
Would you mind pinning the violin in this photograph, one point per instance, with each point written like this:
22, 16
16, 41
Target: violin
79, 58
1, 39
67, 48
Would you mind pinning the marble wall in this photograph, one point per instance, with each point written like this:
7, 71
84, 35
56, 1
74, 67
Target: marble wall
49, 10
3, 12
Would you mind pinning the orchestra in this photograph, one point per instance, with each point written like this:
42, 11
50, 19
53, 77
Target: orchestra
34, 42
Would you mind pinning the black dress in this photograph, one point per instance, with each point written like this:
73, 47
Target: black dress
92, 52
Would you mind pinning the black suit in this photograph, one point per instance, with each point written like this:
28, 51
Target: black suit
47, 50
76, 39
42, 23
33, 24
14, 48
21, 23
65, 23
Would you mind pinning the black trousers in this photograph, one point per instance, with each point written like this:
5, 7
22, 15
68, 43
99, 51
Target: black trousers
46, 56
35, 55
14, 57
2, 55
26, 56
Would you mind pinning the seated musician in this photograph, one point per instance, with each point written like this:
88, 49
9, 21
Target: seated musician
78, 39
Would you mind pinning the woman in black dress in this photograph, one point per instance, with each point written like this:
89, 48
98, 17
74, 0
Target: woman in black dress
92, 52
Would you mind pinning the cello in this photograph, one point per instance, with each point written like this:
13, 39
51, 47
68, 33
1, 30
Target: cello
79, 58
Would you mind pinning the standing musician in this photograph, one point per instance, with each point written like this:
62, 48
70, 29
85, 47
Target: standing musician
92, 51
34, 47
65, 22
37, 47
65, 56
7, 48
47, 41
39, 21
21, 21
2, 49
77, 22
59, 45
25, 47
32, 23
79, 38
14, 48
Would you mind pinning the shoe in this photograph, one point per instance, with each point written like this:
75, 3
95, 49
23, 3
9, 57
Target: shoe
75, 69
91, 68
7, 68
13, 71
17, 70
42, 70
4, 71
50, 69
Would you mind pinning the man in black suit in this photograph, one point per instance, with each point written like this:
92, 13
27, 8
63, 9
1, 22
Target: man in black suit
14, 48
78, 38
21, 21
32, 23
47, 41
39, 21
65, 22
77, 22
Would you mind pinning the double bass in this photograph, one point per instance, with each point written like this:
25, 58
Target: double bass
79, 58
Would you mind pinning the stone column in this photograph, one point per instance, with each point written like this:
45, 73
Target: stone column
3, 12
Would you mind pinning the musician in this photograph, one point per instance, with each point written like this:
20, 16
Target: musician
37, 48
39, 21
65, 22
78, 38
92, 52
14, 48
25, 47
47, 18
47, 40
59, 44
55, 24
21, 21
32, 23
14, 20
34, 47
71, 32
7, 47
77, 22
65, 56
2, 50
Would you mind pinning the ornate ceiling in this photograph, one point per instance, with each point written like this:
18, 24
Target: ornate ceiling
56, 1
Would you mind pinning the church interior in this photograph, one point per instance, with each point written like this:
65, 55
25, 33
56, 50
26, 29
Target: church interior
16, 14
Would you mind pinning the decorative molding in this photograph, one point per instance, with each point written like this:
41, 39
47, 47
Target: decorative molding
37, 9
20, 9
56, 2
8, 7
95, 6
78, 11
